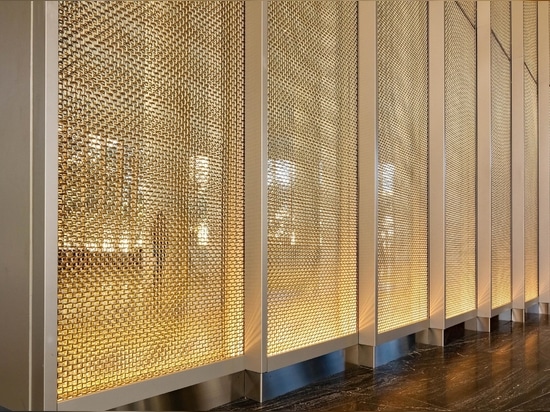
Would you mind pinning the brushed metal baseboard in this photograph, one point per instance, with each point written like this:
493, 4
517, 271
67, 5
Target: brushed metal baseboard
374, 356
200, 397
257, 386
262, 387
538, 308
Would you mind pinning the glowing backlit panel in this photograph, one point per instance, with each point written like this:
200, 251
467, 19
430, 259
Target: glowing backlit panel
150, 190
402, 61
501, 156
530, 77
460, 157
312, 173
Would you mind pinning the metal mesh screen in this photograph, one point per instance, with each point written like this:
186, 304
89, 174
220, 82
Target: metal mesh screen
530, 76
312, 176
460, 158
469, 10
501, 156
150, 190
402, 163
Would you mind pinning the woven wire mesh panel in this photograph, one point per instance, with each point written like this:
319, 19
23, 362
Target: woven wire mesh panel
402, 164
501, 155
150, 190
531, 148
312, 176
530, 53
460, 159
469, 9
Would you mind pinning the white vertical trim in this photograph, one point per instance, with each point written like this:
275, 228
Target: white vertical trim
44, 178
255, 265
544, 152
436, 44
50, 180
484, 298
35, 341
518, 170
367, 124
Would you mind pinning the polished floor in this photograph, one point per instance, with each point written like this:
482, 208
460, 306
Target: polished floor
508, 369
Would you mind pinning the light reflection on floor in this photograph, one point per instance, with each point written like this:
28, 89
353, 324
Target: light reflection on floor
508, 369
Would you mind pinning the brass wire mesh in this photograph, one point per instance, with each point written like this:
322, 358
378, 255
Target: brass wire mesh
530, 76
460, 158
402, 61
312, 173
501, 155
150, 275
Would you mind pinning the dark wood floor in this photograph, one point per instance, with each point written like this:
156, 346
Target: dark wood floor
508, 369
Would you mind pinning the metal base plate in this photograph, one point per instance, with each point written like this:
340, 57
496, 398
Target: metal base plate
200, 397
374, 356
265, 386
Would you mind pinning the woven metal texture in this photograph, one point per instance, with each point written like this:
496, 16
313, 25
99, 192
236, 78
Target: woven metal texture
312, 173
460, 158
150, 190
531, 148
402, 62
501, 155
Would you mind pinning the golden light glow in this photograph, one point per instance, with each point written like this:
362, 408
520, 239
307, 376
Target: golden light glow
312, 168
501, 155
403, 164
150, 190
460, 157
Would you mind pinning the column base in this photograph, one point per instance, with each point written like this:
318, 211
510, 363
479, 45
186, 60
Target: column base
538, 308
441, 337
262, 387
374, 356
478, 324
518, 315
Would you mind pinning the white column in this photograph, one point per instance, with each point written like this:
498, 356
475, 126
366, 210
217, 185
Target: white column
28, 210
518, 169
256, 186
367, 140
436, 44
44, 193
484, 298
544, 153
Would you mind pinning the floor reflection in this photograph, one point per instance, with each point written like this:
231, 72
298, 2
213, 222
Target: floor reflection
507, 369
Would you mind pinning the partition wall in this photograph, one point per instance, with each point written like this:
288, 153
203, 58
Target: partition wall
252, 195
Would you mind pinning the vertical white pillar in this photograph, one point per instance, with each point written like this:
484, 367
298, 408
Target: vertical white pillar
28, 210
544, 152
518, 169
45, 81
484, 299
256, 187
436, 44
367, 104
